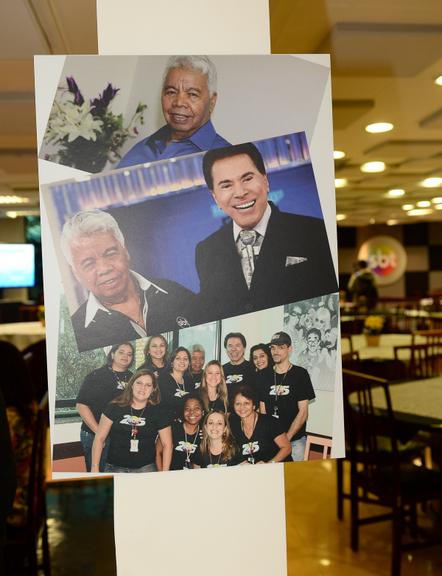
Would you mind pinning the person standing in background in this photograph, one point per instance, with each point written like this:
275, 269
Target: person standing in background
362, 287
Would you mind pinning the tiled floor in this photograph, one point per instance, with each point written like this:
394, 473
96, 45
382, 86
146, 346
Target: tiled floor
82, 541
319, 544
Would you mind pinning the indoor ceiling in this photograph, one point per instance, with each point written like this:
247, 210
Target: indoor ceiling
385, 58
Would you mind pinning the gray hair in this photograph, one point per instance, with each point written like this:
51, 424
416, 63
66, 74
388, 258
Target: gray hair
197, 348
199, 63
87, 223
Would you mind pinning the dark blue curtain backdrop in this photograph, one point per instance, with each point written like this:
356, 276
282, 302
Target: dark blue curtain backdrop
162, 232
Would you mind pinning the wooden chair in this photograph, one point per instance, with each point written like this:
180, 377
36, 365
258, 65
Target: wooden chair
433, 339
391, 370
350, 357
347, 338
315, 440
431, 336
26, 539
424, 359
377, 476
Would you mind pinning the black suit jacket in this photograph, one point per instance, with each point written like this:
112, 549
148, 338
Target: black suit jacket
166, 312
276, 281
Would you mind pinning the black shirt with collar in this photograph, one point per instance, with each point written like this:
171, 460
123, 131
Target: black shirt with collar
166, 311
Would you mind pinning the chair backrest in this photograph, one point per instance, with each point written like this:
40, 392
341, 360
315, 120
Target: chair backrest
326, 444
346, 338
424, 359
431, 336
371, 429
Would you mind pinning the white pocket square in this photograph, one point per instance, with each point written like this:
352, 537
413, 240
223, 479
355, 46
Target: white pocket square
292, 260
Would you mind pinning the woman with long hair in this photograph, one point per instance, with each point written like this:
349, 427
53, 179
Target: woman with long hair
176, 383
260, 357
258, 436
217, 447
186, 435
133, 421
98, 389
213, 389
155, 355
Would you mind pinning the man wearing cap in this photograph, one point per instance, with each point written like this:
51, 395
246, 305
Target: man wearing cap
263, 257
285, 392
188, 99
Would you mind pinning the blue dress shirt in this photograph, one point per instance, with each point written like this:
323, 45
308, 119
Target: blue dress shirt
156, 147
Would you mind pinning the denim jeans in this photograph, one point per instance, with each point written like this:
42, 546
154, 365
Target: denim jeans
298, 448
148, 468
87, 439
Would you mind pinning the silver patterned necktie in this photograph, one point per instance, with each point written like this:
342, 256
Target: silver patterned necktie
248, 239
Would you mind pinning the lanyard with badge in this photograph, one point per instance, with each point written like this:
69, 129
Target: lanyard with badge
135, 421
278, 390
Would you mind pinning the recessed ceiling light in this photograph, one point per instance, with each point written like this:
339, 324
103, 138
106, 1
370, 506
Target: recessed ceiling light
340, 217
433, 182
438, 81
407, 207
10, 199
396, 192
420, 212
373, 167
372, 221
392, 222
379, 127
341, 182
338, 154
437, 200
17, 213
438, 207
423, 204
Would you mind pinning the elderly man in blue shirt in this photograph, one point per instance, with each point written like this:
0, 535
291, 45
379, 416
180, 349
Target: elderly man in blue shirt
188, 99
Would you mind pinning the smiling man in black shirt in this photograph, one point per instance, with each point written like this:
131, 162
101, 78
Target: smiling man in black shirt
285, 392
238, 370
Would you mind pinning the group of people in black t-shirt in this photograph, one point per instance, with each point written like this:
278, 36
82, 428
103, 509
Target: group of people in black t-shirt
180, 412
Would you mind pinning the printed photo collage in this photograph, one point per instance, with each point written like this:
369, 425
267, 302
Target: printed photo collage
199, 317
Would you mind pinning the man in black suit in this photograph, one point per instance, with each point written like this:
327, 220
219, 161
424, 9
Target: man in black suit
263, 257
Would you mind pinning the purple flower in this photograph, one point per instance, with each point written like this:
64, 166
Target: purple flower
99, 105
72, 86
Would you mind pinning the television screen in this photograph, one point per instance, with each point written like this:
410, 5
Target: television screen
17, 265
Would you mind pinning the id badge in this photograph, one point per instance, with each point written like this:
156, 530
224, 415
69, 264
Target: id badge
134, 445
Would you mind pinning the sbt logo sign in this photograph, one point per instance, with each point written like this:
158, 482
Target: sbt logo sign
382, 261
386, 258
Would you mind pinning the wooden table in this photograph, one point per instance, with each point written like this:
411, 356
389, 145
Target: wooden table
22, 334
416, 402
385, 348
